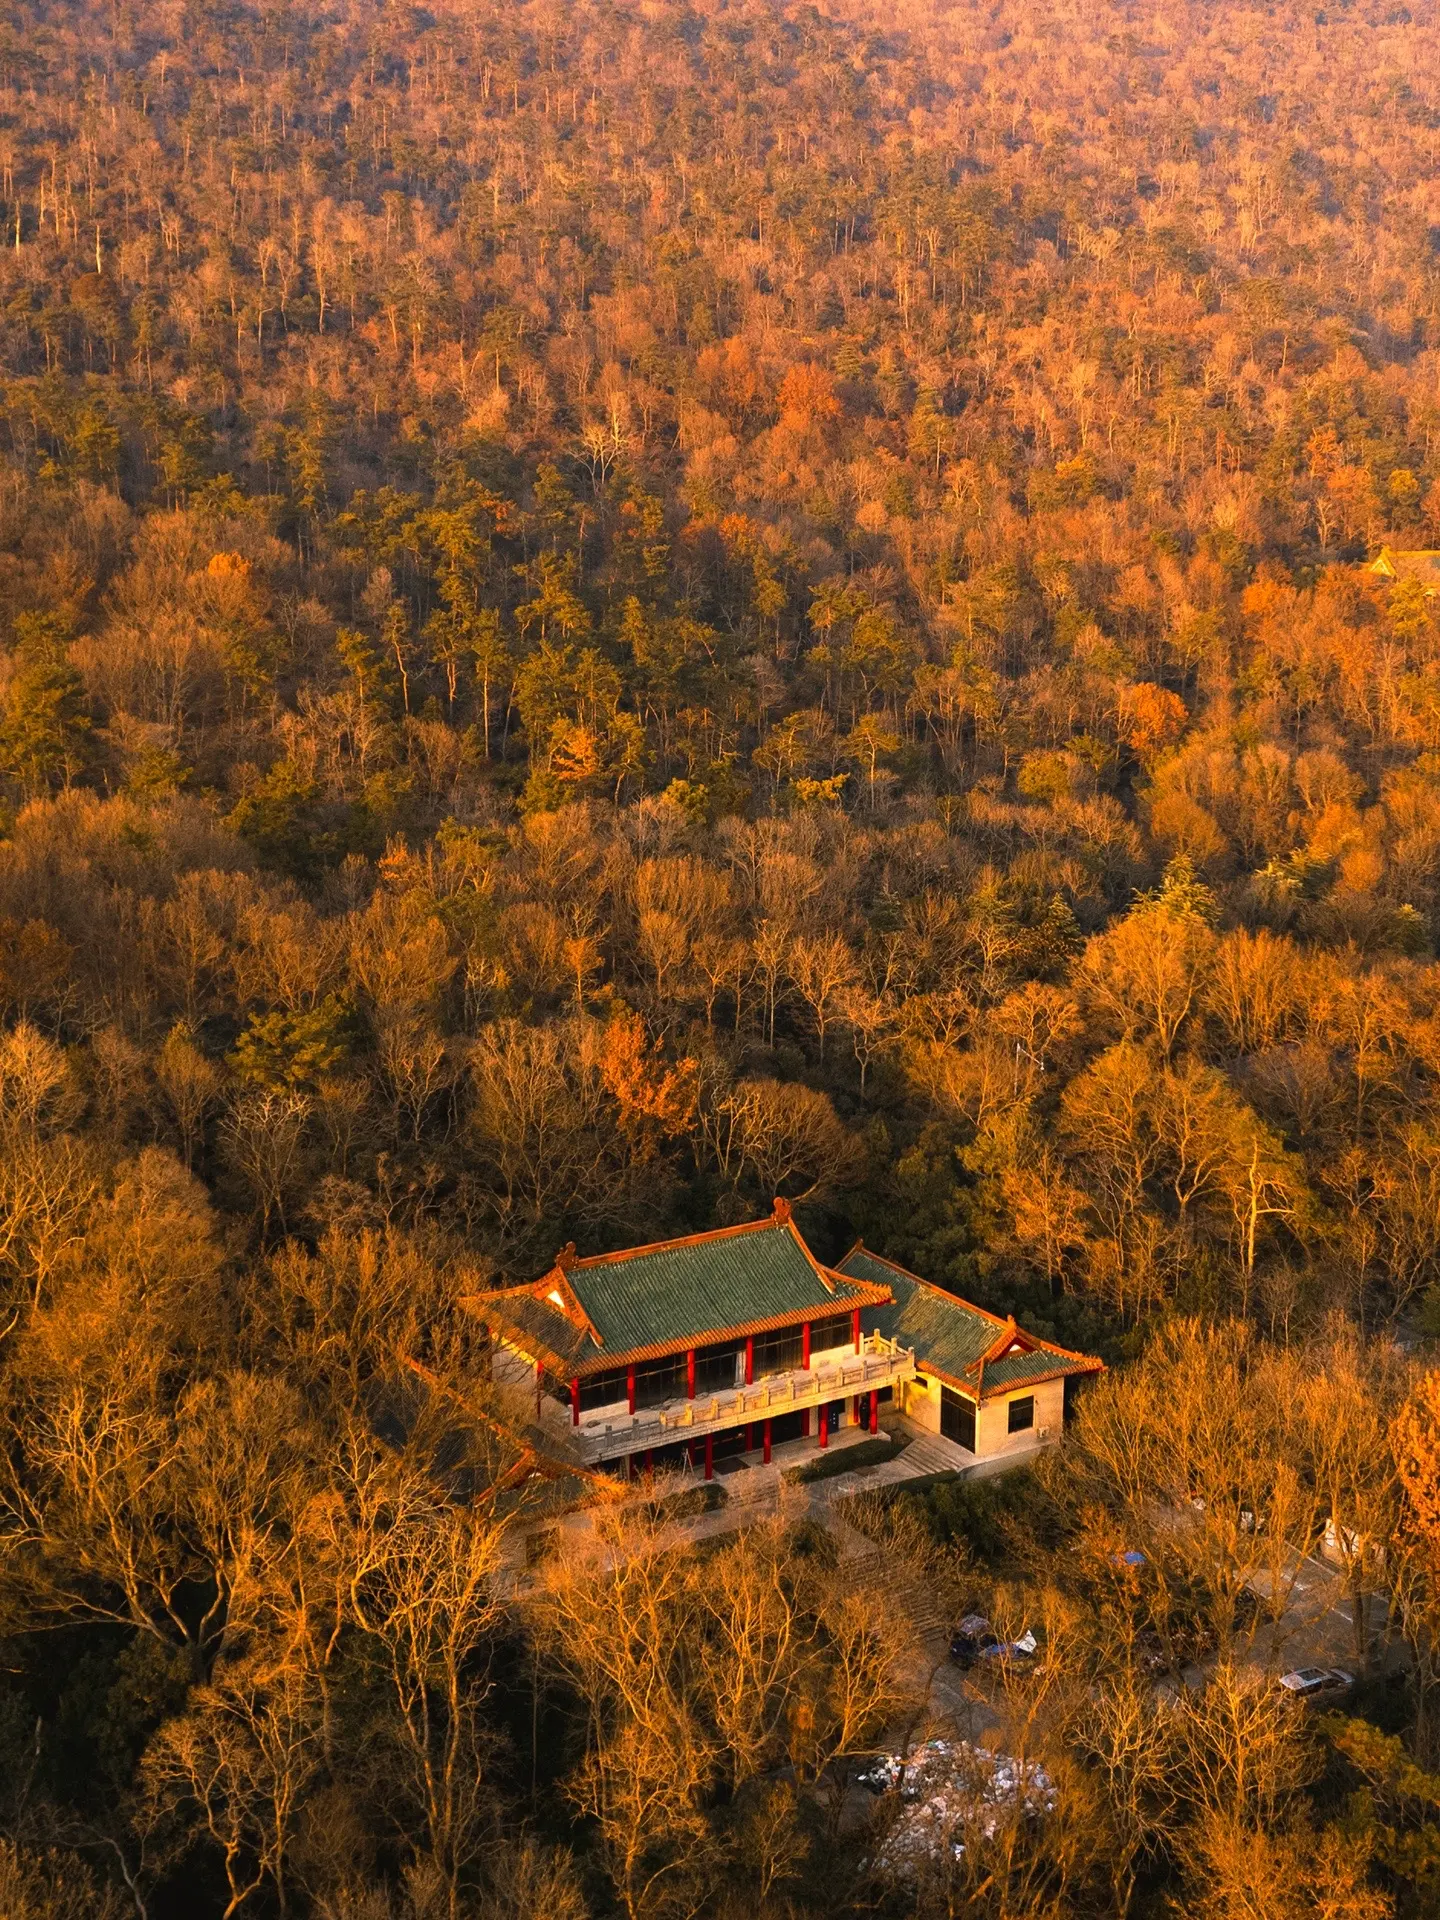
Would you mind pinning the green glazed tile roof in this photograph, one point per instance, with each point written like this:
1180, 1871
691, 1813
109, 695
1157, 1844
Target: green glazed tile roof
540, 1328
680, 1293
950, 1337
1024, 1369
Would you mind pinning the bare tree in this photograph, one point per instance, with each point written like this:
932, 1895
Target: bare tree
237, 1763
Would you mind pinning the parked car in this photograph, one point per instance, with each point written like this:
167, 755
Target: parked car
968, 1638
1022, 1649
975, 1640
1317, 1683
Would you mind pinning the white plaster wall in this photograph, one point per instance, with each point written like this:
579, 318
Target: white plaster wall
992, 1434
922, 1403
511, 1369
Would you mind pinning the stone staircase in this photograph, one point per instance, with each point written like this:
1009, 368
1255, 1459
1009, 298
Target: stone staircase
867, 1566
929, 1454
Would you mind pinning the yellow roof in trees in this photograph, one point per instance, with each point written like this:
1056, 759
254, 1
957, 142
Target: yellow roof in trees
1409, 563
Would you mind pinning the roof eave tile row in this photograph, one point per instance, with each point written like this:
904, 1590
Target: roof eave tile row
962, 1345
738, 1283
578, 1330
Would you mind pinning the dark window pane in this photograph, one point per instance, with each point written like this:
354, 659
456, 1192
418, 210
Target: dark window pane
1022, 1413
778, 1352
717, 1369
601, 1389
957, 1418
834, 1332
659, 1381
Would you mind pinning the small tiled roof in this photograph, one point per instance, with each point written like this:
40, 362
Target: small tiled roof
588, 1316
1409, 563
958, 1343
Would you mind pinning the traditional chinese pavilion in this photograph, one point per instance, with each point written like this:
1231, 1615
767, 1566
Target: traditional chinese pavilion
732, 1341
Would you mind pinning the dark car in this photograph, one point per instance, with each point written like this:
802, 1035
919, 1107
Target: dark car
975, 1640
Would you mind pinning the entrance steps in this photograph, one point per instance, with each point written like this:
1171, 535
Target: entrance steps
932, 1454
869, 1567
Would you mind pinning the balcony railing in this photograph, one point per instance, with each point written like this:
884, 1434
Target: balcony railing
879, 1363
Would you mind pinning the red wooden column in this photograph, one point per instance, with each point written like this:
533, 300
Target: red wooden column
855, 1328
709, 1456
630, 1387
805, 1344
805, 1423
874, 1411
824, 1426
750, 1362
574, 1403
649, 1460
767, 1443
749, 1436
690, 1373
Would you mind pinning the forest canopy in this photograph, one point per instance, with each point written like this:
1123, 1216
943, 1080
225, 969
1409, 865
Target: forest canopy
611, 611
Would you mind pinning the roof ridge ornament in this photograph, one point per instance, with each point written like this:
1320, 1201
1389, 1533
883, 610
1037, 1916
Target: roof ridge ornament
1010, 1337
784, 1212
556, 1287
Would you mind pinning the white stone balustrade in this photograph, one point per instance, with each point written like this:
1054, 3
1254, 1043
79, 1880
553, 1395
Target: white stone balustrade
831, 1376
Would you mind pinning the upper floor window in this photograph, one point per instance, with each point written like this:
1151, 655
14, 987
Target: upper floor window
837, 1331
779, 1352
718, 1369
602, 1390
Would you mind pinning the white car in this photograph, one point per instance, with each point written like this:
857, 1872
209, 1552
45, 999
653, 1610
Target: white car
1317, 1683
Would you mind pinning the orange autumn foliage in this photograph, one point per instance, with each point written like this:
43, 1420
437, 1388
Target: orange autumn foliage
655, 1100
